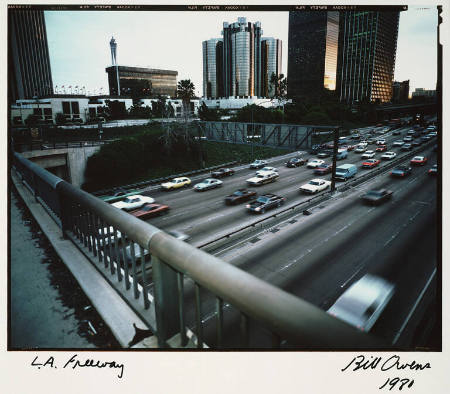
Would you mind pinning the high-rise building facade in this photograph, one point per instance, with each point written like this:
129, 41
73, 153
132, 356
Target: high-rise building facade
233, 65
400, 91
312, 52
28, 56
213, 68
366, 60
270, 64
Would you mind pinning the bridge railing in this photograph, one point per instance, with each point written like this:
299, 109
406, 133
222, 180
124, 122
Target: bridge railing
184, 294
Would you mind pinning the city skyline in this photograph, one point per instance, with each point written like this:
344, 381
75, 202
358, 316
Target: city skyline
147, 39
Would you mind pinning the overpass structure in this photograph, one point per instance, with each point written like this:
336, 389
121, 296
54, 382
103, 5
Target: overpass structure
123, 250
275, 135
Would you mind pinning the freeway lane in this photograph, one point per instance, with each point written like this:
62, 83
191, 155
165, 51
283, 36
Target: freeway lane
204, 216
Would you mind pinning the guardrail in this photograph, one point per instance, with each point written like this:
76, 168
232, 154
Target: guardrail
157, 287
26, 147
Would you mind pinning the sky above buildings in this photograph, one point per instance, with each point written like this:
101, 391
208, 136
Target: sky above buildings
79, 43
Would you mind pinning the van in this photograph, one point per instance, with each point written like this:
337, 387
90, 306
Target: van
341, 154
345, 171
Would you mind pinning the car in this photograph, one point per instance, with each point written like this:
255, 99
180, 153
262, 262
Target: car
258, 164
360, 149
398, 143
264, 177
355, 136
381, 148
207, 184
118, 194
432, 134
315, 186
239, 196
323, 169
371, 140
407, 139
376, 197
265, 169
315, 148
295, 162
362, 304
411, 132
381, 142
425, 138
133, 202
342, 140
349, 147
176, 183
265, 202
418, 160
371, 163
222, 172
416, 143
388, 155
136, 254
150, 210
406, 147
368, 154
313, 163
401, 171
433, 170
325, 153
396, 132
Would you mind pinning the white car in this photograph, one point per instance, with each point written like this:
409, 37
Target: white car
133, 202
313, 163
398, 143
266, 169
364, 301
368, 154
361, 148
258, 164
381, 142
315, 186
207, 184
388, 155
261, 179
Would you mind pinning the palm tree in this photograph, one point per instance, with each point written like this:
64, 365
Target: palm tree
278, 85
185, 91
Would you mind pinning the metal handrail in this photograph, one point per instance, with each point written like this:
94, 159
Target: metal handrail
285, 315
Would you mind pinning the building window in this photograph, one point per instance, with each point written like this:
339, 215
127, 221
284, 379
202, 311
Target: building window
75, 108
66, 107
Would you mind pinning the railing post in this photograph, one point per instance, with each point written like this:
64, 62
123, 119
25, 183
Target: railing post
166, 301
64, 204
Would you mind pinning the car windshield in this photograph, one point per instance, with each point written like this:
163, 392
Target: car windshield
128, 200
149, 208
263, 199
375, 193
238, 193
401, 168
418, 158
323, 166
316, 183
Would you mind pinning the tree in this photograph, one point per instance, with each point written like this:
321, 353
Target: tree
185, 91
208, 114
278, 86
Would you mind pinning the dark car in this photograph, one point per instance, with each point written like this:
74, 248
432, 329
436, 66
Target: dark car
406, 147
316, 148
150, 210
425, 138
325, 153
396, 132
323, 169
401, 171
416, 143
239, 196
265, 202
433, 170
376, 197
295, 162
221, 172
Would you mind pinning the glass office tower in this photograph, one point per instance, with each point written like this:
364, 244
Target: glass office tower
366, 60
312, 52
28, 57
270, 63
212, 68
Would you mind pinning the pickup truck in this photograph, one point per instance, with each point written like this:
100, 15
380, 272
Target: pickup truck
262, 178
264, 202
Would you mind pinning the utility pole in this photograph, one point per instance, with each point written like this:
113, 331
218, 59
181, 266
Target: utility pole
335, 150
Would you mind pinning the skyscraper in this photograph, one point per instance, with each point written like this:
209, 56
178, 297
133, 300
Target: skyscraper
366, 60
270, 64
28, 56
233, 65
312, 52
213, 68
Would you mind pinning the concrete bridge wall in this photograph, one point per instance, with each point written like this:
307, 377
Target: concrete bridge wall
67, 163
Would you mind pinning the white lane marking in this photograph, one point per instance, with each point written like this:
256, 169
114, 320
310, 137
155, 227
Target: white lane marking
351, 277
411, 312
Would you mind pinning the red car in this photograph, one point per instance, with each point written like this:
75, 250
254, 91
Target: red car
370, 163
323, 169
349, 147
381, 148
419, 160
150, 210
